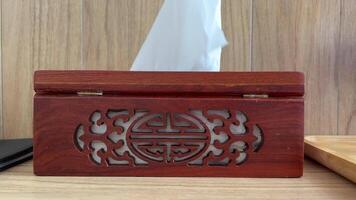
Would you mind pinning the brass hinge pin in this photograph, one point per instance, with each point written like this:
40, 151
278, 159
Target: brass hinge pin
87, 93
256, 96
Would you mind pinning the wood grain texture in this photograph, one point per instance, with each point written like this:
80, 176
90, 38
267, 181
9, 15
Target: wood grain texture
113, 31
302, 35
1, 84
17, 45
318, 29
38, 34
273, 84
335, 152
237, 18
318, 183
142, 14
313, 36
65, 133
57, 34
347, 70
274, 35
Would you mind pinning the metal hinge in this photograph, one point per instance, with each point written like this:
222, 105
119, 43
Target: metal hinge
255, 96
88, 93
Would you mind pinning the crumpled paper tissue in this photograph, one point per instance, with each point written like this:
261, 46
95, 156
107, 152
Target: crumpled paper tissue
186, 36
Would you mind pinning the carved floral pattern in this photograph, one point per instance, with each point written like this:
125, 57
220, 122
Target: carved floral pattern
194, 138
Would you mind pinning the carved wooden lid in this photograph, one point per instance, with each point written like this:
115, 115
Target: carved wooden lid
273, 84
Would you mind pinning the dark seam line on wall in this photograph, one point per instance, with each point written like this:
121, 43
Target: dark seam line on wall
81, 34
251, 34
341, 2
296, 46
128, 39
39, 36
2, 77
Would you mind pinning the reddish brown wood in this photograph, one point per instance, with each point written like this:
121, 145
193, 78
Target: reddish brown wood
58, 152
168, 124
203, 83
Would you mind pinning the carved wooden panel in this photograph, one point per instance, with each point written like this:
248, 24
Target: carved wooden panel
168, 136
193, 138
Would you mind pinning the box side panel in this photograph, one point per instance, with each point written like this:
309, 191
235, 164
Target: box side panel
168, 136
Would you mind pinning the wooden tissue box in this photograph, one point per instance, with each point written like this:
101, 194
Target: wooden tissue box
225, 124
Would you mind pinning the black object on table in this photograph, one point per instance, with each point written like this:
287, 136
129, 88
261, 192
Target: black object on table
14, 152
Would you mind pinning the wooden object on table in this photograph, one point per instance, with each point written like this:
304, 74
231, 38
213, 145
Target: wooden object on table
318, 183
168, 124
335, 152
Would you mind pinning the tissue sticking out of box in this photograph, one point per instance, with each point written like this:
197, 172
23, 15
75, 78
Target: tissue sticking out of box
186, 36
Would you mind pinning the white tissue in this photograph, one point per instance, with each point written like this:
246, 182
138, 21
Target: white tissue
186, 36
